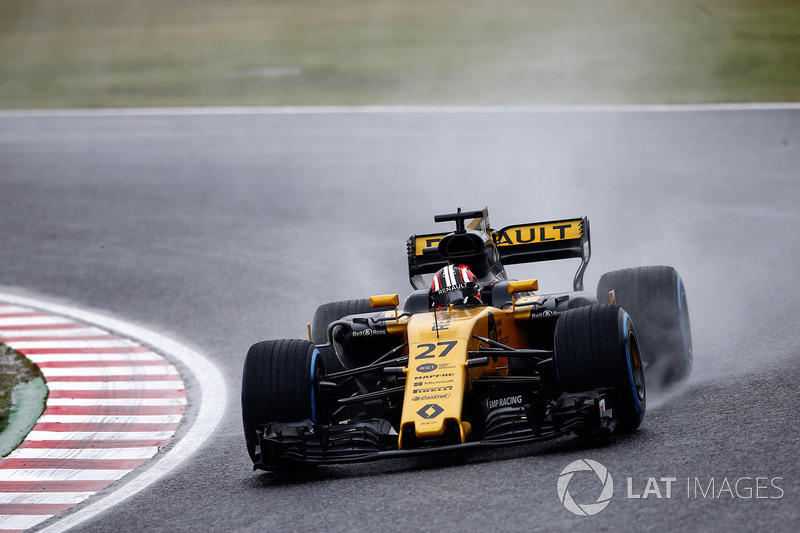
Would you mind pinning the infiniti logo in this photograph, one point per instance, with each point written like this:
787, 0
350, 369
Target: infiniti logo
585, 509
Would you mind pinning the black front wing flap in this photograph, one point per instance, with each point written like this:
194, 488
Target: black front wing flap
281, 444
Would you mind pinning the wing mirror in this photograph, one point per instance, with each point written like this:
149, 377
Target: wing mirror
385, 300
516, 287
526, 285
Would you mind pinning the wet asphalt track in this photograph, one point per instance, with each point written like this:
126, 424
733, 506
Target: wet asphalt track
222, 230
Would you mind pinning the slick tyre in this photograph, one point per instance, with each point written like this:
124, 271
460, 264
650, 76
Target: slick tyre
655, 297
279, 385
595, 347
329, 313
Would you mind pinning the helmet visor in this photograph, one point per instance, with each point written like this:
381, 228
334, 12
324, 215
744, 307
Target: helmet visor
454, 295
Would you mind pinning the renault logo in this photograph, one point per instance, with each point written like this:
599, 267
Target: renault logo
431, 410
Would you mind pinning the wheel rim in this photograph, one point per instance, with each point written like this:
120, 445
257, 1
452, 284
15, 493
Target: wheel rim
683, 313
315, 376
637, 371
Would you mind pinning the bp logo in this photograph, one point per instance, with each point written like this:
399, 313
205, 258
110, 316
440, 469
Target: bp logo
585, 509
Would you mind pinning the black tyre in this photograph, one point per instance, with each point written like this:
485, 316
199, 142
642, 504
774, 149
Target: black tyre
279, 385
331, 312
655, 297
596, 346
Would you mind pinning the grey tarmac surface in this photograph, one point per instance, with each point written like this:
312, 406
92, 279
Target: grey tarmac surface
223, 230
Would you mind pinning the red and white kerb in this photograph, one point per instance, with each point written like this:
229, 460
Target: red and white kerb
112, 404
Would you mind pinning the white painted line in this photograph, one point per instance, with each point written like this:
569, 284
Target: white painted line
32, 321
111, 419
150, 402
12, 310
64, 344
55, 333
394, 110
144, 452
43, 497
21, 521
212, 399
90, 357
115, 385
99, 435
156, 370
59, 474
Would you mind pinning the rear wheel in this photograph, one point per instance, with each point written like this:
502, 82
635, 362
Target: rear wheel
329, 313
596, 346
655, 297
279, 385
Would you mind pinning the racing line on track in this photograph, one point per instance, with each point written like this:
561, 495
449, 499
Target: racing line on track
112, 404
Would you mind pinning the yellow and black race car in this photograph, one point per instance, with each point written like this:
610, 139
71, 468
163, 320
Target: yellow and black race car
471, 359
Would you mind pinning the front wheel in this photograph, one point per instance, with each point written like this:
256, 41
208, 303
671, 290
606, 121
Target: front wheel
279, 385
596, 347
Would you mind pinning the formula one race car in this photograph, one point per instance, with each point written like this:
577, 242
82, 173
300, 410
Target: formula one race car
474, 361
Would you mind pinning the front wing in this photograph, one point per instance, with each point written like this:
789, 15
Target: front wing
370, 440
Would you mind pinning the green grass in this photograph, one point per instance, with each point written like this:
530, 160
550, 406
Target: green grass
100, 53
14, 369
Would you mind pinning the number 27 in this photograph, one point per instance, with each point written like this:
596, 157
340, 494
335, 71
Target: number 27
429, 349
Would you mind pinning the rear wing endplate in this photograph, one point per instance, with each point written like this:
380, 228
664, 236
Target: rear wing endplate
521, 243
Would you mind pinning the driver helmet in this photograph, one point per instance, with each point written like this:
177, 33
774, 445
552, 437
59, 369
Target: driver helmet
454, 285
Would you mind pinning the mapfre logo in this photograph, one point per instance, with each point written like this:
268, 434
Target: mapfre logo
585, 509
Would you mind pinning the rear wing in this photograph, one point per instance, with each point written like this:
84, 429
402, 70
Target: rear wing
520, 243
